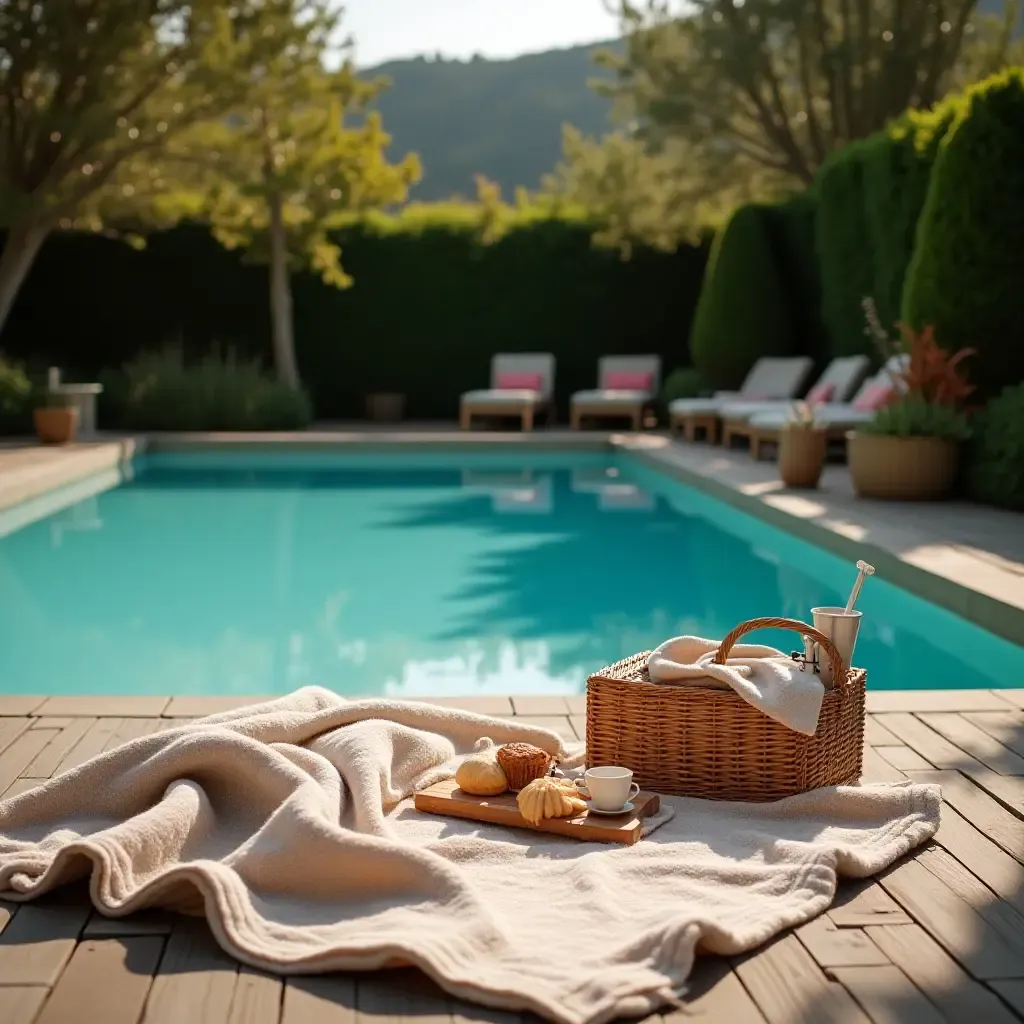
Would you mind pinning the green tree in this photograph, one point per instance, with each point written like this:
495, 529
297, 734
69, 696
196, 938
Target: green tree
744, 310
965, 275
93, 95
286, 168
729, 102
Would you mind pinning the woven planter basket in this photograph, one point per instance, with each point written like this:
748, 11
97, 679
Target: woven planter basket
688, 740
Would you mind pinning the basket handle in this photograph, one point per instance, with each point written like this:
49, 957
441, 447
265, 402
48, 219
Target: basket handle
835, 658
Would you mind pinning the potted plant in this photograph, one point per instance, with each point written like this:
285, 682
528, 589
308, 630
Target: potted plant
803, 444
56, 420
910, 449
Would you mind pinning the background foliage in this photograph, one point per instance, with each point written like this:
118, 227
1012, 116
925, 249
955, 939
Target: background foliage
431, 303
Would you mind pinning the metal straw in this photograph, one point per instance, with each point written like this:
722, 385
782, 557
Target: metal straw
865, 571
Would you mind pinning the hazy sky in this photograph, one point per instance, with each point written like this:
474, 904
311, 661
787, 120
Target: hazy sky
384, 29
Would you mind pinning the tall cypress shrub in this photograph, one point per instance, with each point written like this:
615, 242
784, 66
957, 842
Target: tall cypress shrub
967, 274
843, 244
743, 312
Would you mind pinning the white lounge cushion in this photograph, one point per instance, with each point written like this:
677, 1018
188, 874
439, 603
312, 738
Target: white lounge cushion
508, 396
610, 396
833, 416
693, 406
744, 410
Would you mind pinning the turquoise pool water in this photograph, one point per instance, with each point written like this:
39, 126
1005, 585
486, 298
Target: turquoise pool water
419, 575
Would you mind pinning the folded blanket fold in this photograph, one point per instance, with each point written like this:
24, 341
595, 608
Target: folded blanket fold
290, 825
762, 676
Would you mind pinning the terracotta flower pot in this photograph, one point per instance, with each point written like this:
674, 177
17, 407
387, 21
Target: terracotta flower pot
385, 407
57, 425
801, 456
901, 468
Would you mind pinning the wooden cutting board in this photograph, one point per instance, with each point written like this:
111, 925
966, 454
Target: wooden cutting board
447, 798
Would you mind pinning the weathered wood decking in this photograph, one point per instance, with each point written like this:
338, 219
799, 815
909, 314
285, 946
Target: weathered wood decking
937, 937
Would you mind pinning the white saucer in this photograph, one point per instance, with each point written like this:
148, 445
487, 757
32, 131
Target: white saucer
626, 808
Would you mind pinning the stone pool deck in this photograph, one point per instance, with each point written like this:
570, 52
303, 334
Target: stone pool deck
939, 936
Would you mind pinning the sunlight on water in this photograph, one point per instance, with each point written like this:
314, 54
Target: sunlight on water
417, 575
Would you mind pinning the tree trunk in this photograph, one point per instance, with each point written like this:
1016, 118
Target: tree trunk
20, 250
282, 327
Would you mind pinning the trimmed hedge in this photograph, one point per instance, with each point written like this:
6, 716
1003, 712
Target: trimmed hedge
430, 305
968, 267
843, 245
744, 310
996, 458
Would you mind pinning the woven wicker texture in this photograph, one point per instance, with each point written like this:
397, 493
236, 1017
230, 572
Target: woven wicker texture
688, 740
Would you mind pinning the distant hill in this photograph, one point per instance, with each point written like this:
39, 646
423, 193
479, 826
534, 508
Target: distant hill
500, 118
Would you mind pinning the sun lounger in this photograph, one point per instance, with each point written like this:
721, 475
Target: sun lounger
522, 384
771, 378
836, 417
626, 385
838, 383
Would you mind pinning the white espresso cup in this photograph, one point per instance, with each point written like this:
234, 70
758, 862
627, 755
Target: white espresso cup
609, 787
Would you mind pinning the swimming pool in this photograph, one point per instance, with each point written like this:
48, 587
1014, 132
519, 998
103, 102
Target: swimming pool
423, 574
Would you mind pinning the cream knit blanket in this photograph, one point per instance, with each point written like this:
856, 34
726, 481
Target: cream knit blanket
288, 824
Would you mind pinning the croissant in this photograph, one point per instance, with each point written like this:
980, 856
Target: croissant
480, 774
549, 798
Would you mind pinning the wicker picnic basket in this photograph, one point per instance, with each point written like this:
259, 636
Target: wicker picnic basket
689, 740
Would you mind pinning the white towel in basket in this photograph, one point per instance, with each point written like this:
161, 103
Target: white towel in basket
762, 676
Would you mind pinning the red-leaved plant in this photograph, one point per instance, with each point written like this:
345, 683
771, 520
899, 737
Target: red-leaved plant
930, 373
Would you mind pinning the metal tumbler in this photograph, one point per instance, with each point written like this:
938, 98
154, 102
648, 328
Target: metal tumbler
841, 627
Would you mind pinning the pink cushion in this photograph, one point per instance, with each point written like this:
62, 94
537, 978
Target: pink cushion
519, 380
629, 380
873, 397
821, 393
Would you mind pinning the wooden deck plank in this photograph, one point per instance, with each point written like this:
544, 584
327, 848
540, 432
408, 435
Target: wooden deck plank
541, 705
903, 758
6, 913
20, 786
996, 868
888, 995
20, 754
865, 902
1012, 992
987, 815
939, 976
20, 1004
883, 701
1005, 726
392, 995
937, 750
716, 995
142, 922
953, 922
319, 999
839, 947
559, 724
876, 734
132, 728
94, 741
787, 986
44, 764
199, 707
1015, 698
127, 706
105, 980
999, 914
496, 705
49, 722
577, 703
19, 706
39, 941
877, 769
11, 729
196, 980
978, 743
257, 998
